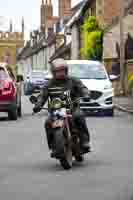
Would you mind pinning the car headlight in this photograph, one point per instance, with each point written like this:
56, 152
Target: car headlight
108, 87
56, 103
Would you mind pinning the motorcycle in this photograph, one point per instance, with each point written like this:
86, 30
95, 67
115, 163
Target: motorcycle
66, 140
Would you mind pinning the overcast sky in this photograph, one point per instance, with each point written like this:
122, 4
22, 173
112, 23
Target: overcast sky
30, 9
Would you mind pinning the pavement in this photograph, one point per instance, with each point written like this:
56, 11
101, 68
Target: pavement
28, 173
124, 104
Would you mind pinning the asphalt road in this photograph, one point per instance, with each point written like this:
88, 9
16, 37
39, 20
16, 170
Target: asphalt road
28, 173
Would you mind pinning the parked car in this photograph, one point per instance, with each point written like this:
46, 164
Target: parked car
48, 77
10, 92
34, 82
94, 76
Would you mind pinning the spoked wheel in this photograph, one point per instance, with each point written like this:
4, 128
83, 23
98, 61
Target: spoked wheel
63, 151
66, 162
77, 155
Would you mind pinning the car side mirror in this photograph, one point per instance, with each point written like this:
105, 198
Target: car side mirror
113, 77
33, 99
20, 78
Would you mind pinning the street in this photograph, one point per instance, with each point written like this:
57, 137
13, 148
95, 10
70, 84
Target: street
28, 173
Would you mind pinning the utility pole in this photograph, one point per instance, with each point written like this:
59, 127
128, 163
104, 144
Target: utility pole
122, 49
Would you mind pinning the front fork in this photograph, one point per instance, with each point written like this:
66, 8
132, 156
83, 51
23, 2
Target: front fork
68, 129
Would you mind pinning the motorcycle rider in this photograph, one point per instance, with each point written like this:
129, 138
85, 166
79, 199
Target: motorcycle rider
59, 70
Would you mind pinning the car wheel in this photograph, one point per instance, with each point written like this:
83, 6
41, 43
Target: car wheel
20, 110
109, 112
12, 114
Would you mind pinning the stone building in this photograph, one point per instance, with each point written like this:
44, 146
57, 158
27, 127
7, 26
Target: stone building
10, 43
112, 37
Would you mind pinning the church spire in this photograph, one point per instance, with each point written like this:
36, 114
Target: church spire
10, 26
50, 2
22, 24
50, 8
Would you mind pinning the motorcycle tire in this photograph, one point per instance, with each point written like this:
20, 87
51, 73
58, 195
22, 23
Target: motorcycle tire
64, 151
59, 142
66, 162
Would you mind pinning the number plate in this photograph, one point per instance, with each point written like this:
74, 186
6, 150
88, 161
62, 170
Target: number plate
57, 123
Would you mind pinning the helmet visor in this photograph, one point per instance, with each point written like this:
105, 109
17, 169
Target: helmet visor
60, 74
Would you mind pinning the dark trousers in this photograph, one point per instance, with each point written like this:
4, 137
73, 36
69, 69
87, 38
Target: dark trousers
77, 121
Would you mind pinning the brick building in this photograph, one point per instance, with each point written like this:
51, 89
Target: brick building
64, 8
47, 18
108, 10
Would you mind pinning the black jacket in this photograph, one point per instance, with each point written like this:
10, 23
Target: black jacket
76, 87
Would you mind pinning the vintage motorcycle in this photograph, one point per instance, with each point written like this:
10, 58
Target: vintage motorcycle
66, 140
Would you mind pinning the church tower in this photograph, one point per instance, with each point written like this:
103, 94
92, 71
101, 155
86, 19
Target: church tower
42, 16
10, 26
46, 14
22, 25
64, 8
50, 9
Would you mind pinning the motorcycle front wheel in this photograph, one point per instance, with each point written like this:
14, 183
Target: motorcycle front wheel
66, 162
63, 149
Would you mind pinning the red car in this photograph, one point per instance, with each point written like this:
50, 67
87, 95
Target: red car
10, 93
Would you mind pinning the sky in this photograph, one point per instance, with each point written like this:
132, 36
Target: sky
29, 9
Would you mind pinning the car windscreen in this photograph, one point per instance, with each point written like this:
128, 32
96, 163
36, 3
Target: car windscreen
3, 74
87, 71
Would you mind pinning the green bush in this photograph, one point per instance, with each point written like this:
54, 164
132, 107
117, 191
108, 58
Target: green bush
93, 39
130, 84
90, 24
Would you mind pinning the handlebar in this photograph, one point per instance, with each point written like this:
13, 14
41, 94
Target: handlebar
44, 108
78, 99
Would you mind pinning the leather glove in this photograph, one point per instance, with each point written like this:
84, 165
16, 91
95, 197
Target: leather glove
36, 109
86, 98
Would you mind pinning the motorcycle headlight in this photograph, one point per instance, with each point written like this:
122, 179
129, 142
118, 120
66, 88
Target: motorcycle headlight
56, 103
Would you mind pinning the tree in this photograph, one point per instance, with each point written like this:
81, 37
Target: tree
93, 39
